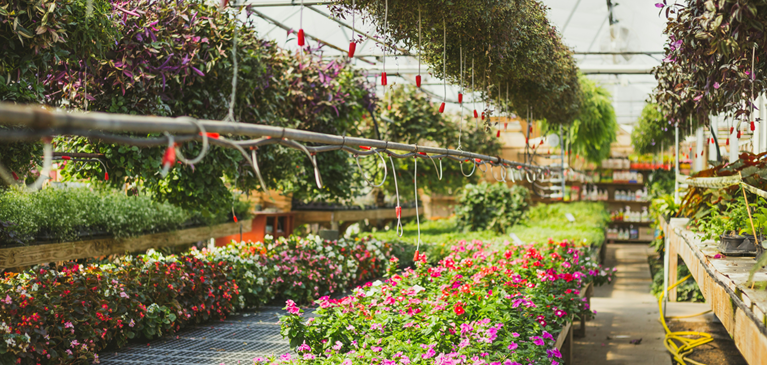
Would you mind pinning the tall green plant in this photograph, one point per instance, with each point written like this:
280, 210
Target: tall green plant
652, 132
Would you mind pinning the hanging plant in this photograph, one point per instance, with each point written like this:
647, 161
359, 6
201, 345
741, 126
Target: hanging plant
528, 54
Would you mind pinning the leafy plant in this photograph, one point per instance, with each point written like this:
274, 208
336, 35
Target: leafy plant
70, 313
528, 57
504, 305
493, 207
68, 214
710, 66
652, 132
594, 128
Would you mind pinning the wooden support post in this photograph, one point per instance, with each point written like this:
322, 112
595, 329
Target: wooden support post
567, 347
673, 260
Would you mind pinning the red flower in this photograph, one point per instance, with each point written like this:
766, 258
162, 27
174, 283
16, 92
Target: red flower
459, 309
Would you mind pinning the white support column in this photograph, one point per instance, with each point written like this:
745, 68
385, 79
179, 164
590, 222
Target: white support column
762, 125
700, 161
734, 143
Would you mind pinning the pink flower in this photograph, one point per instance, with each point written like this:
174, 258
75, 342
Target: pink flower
560, 313
513, 346
304, 347
548, 336
308, 357
376, 348
514, 334
292, 307
68, 325
338, 345
537, 340
7, 299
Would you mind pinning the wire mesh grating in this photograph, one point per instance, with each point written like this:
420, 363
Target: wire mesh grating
236, 340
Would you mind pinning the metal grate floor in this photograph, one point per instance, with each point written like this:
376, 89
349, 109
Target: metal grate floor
236, 340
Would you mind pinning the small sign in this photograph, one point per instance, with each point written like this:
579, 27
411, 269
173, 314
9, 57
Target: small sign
516, 240
570, 217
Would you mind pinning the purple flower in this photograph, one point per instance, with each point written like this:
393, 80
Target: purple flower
659, 5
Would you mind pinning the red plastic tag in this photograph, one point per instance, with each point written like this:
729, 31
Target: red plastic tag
169, 157
384, 81
366, 148
753, 126
66, 158
398, 211
476, 115
106, 176
418, 80
211, 135
352, 48
460, 98
498, 135
301, 40
442, 107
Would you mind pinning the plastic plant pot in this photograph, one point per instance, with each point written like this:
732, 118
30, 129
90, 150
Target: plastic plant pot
729, 244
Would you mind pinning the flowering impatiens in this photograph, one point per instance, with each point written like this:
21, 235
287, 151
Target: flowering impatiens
65, 315
477, 306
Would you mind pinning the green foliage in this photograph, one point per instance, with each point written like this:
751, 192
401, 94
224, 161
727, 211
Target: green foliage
67, 214
594, 128
19, 157
729, 217
688, 291
410, 117
484, 299
512, 45
541, 223
545, 222
652, 132
661, 182
103, 305
492, 207
712, 64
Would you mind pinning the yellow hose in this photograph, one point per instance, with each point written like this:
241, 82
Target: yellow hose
687, 344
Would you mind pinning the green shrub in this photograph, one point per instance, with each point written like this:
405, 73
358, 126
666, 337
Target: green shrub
493, 207
67, 214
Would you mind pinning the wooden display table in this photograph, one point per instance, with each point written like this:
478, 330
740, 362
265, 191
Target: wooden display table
723, 283
22, 256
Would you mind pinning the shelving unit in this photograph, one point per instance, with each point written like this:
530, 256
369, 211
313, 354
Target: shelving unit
645, 233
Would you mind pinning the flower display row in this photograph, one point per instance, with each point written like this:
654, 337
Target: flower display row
68, 314
477, 306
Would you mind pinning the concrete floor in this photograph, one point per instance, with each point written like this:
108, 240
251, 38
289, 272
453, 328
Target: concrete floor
625, 311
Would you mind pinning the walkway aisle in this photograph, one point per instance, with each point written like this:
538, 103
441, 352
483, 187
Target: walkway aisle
626, 311
236, 340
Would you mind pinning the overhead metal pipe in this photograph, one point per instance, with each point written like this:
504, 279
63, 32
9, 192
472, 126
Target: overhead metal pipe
42, 121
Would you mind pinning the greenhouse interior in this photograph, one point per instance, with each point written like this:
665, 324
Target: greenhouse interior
321, 182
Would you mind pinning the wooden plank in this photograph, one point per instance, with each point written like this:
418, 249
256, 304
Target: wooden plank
672, 263
38, 254
722, 282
